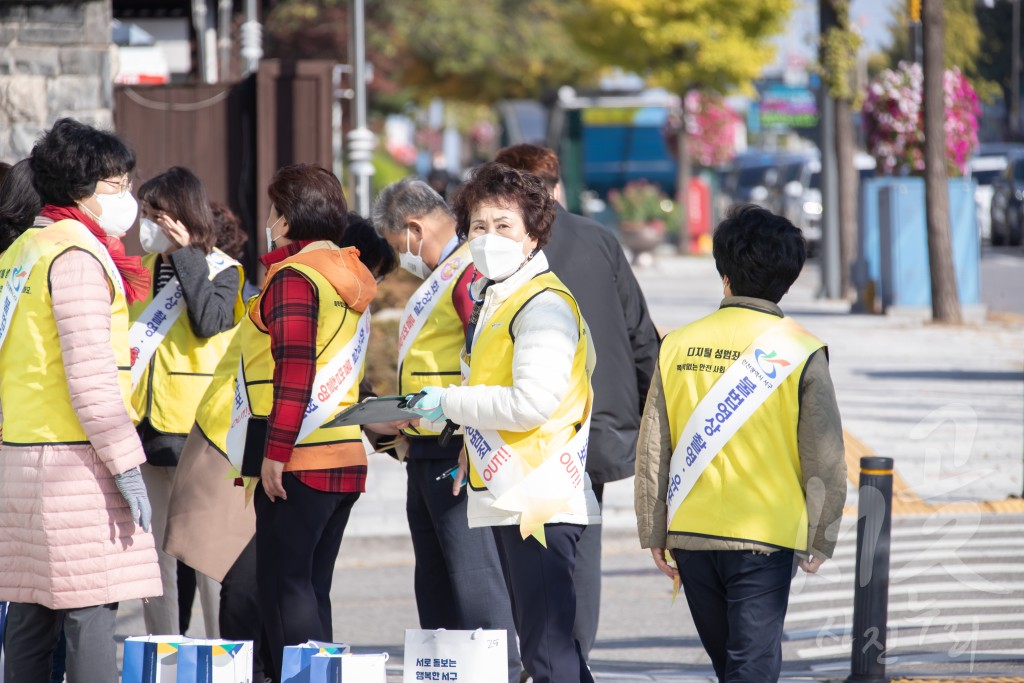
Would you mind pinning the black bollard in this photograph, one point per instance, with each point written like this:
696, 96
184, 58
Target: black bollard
871, 593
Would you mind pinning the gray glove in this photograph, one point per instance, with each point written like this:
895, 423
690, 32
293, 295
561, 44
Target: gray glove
133, 489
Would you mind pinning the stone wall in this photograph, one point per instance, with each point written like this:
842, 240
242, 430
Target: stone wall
55, 61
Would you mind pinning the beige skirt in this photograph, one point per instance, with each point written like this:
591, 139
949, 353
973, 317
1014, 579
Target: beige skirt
209, 522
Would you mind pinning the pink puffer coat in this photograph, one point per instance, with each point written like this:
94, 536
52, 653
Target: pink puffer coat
67, 539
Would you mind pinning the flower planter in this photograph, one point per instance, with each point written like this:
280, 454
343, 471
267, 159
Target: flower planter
641, 238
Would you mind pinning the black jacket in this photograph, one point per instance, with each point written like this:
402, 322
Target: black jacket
589, 260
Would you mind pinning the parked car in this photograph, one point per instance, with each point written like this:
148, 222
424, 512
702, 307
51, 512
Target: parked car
806, 212
984, 170
1007, 201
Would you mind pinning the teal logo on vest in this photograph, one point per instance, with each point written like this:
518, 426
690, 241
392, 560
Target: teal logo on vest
763, 358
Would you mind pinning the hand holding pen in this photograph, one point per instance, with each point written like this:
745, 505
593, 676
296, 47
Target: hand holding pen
457, 473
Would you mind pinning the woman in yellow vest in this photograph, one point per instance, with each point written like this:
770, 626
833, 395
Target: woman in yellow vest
525, 406
740, 470
303, 344
179, 333
74, 514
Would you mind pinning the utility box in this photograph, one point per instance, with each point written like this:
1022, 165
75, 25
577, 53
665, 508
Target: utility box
902, 258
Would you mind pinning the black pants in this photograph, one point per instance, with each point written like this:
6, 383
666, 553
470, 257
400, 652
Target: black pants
738, 601
33, 632
297, 542
544, 601
240, 617
458, 578
587, 579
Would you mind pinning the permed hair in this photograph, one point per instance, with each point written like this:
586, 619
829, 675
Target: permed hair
499, 184
70, 158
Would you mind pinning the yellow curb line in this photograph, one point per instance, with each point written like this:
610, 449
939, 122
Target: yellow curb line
906, 502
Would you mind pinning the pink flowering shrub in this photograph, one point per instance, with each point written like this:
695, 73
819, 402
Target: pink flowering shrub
894, 120
712, 129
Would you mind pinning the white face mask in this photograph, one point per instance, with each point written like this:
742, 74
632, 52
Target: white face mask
270, 233
152, 237
413, 262
117, 213
496, 257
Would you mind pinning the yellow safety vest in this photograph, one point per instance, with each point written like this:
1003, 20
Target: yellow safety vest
491, 364
34, 391
336, 325
433, 357
180, 371
752, 490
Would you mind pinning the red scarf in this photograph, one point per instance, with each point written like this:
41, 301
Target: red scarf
136, 277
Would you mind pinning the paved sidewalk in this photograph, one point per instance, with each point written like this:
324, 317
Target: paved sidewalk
946, 402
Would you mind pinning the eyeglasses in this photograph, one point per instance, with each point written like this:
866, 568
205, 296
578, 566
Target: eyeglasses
123, 187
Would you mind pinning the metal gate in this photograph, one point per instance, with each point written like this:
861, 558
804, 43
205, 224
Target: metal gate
234, 136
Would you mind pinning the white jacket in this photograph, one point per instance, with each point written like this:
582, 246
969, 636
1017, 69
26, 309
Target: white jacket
546, 335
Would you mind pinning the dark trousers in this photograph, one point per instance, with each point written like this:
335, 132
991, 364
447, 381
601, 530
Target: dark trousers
297, 542
240, 617
458, 578
587, 579
738, 601
33, 632
544, 601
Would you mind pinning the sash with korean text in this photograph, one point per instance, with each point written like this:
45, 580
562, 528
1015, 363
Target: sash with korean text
734, 397
148, 332
330, 385
536, 492
426, 297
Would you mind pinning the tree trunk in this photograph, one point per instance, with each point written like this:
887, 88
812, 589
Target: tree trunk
945, 300
683, 184
847, 200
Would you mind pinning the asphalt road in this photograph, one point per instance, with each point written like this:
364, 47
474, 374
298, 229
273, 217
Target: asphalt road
1002, 279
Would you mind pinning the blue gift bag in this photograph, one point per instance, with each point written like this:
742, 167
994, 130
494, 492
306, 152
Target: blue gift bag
215, 661
296, 660
151, 659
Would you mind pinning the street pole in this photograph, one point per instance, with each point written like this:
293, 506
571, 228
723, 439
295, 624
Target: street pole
224, 39
252, 39
360, 139
916, 45
830, 254
1015, 73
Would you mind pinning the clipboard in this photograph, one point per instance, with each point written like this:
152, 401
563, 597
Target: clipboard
379, 409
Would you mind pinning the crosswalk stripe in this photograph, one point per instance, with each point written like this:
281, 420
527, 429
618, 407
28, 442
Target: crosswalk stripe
902, 641
1015, 544
846, 594
918, 605
925, 658
963, 552
910, 623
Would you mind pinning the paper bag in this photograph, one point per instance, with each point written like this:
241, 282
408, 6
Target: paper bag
215, 661
151, 659
348, 668
296, 659
479, 656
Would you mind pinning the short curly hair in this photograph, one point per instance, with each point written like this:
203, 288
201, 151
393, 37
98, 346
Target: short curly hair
506, 186
69, 159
